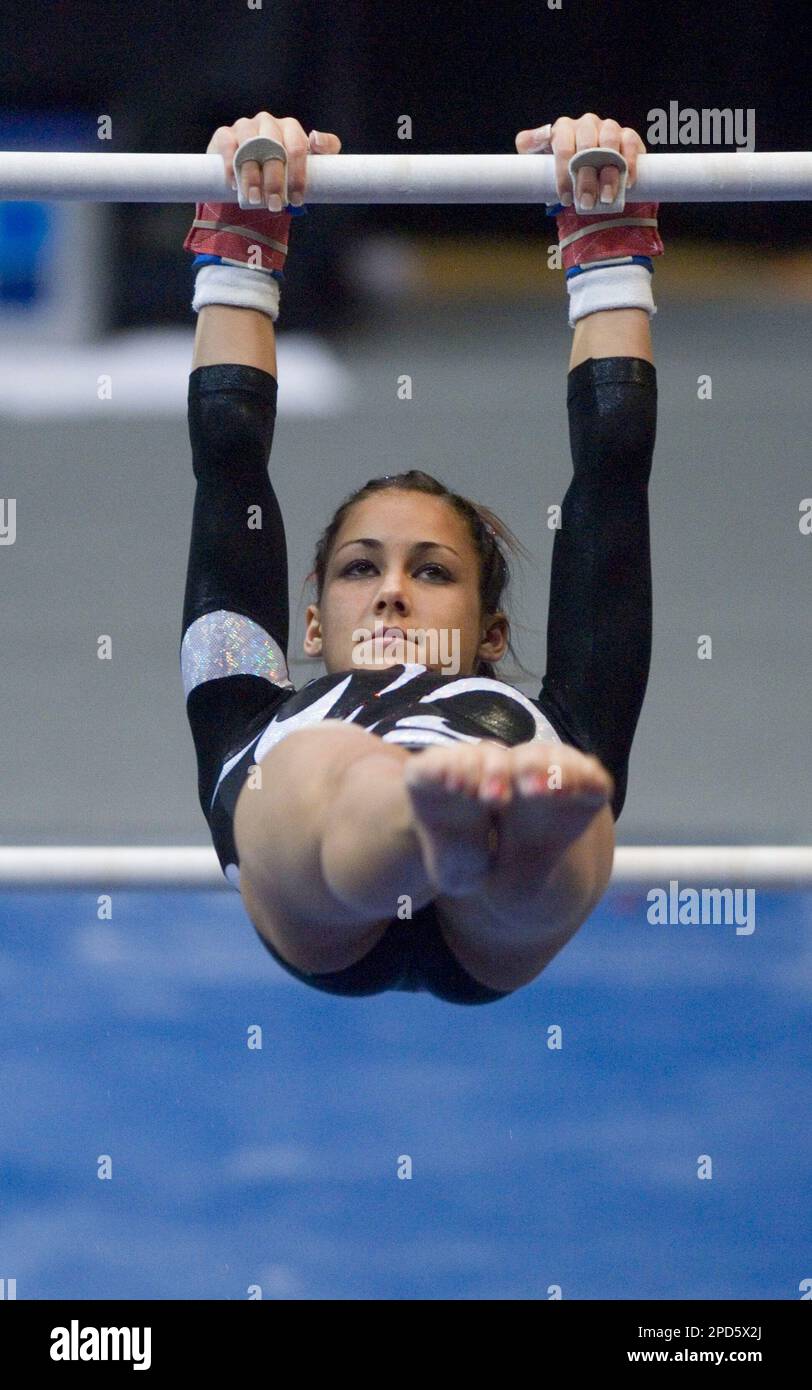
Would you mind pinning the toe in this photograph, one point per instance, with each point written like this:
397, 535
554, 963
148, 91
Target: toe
426, 767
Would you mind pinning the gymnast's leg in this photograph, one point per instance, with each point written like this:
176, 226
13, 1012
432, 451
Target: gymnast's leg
327, 846
337, 834
550, 864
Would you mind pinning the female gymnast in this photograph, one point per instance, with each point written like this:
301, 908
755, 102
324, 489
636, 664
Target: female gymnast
363, 868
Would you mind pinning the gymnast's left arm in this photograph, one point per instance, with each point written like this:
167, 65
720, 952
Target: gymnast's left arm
604, 297
600, 611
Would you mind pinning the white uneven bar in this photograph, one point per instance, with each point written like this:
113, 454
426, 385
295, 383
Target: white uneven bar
730, 177
190, 866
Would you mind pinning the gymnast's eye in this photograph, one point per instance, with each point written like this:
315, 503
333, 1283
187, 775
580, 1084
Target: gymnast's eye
438, 569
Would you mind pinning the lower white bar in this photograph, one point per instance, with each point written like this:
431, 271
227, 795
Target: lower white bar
100, 867
740, 176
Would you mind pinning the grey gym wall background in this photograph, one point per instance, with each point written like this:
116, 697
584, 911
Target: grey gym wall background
100, 752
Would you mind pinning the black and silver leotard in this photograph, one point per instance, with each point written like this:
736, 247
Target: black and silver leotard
240, 700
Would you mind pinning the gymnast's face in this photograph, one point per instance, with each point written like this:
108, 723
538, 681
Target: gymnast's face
405, 560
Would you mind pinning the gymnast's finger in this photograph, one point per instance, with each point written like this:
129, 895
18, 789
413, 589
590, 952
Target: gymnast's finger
586, 137
609, 178
250, 170
224, 142
536, 141
273, 173
563, 144
631, 145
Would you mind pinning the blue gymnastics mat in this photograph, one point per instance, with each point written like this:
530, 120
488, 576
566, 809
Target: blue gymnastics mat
399, 1147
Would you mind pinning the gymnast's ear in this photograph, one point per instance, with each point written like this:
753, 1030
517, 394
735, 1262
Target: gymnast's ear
313, 640
495, 638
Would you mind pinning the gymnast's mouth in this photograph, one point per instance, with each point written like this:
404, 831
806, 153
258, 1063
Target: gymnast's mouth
385, 633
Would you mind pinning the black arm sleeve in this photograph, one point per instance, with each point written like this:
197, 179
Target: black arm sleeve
235, 613
599, 624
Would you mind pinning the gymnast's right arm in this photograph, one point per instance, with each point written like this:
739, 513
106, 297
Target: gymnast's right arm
235, 615
235, 612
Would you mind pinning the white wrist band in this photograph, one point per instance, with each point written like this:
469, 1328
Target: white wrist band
610, 287
239, 285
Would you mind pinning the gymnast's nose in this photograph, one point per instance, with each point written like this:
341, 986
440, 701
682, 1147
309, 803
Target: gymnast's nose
392, 602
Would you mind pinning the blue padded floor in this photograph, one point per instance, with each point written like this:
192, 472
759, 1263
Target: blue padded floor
531, 1166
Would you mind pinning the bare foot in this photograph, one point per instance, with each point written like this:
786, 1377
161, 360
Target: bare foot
556, 792
487, 813
454, 814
